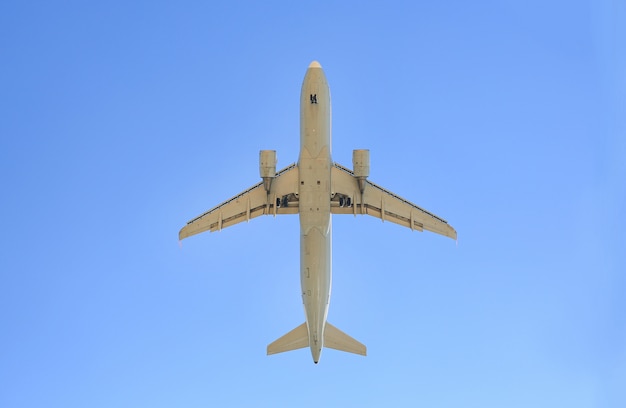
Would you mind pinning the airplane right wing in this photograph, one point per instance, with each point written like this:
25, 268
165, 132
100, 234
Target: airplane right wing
380, 203
255, 201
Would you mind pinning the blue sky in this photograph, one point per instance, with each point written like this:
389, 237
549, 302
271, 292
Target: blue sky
120, 122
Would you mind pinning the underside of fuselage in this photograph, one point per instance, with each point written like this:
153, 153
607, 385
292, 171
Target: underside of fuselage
314, 204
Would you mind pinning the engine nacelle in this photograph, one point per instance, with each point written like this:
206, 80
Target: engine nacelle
267, 167
361, 166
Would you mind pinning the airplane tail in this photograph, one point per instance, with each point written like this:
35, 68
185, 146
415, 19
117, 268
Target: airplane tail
333, 338
296, 339
338, 340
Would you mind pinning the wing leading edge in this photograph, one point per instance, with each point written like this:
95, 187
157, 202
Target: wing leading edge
255, 201
380, 203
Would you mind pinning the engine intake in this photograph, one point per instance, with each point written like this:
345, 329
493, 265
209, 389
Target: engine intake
361, 166
267, 167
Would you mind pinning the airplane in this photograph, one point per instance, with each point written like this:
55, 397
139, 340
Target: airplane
315, 187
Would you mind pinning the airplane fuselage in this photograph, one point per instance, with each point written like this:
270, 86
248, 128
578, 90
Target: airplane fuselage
314, 204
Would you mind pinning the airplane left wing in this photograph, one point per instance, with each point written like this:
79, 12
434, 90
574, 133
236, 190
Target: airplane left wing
255, 201
380, 203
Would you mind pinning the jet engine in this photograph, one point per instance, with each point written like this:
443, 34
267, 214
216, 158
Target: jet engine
361, 166
267, 167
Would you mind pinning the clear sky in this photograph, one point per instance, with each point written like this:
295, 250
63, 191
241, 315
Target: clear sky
120, 121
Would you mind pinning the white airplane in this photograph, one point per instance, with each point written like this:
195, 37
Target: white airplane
315, 188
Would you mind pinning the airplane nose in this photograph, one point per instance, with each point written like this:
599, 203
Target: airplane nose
315, 64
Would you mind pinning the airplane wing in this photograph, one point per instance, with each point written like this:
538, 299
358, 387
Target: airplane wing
249, 204
380, 203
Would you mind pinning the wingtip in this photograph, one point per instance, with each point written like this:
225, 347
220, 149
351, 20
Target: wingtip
185, 232
452, 233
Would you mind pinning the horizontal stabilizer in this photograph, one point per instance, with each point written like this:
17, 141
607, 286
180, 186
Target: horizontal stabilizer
338, 340
296, 339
